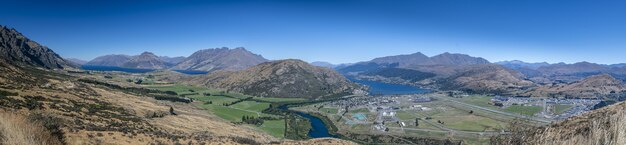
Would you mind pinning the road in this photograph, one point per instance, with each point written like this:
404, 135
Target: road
454, 131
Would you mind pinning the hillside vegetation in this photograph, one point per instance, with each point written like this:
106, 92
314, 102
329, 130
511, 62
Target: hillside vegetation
605, 126
283, 78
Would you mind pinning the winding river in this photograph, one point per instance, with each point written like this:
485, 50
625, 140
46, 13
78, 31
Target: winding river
319, 129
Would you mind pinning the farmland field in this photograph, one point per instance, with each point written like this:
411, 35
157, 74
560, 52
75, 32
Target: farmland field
274, 127
524, 110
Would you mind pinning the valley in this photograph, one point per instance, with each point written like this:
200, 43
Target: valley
233, 96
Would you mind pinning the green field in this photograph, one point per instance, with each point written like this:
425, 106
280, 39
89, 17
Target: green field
329, 110
524, 110
462, 120
558, 109
482, 101
233, 112
274, 127
216, 100
405, 115
177, 88
252, 106
269, 99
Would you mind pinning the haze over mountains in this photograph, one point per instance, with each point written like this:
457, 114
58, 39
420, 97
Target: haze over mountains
220, 59
203, 60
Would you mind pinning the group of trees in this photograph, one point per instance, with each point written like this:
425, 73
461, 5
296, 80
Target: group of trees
251, 120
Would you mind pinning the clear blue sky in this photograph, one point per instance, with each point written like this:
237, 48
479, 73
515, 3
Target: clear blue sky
329, 30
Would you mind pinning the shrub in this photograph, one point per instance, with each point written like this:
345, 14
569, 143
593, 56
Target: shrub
18, 130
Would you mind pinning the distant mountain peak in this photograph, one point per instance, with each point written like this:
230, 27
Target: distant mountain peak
323, 64
148, 53
220, 59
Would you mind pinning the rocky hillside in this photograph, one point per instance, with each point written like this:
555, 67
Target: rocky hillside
605, 126
40, 106
590, 87
16, 48
220, 59
146, 60
109, 60
489, 78
283, 78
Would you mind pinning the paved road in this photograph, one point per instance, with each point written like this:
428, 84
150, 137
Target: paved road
498, 111
453, 131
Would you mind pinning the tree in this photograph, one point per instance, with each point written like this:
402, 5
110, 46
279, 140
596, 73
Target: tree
172, 111
471, 112
139, 81
417, 121
386, 129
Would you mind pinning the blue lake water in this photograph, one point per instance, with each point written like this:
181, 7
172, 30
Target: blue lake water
379, 88
318, 129
135, 70
192, 72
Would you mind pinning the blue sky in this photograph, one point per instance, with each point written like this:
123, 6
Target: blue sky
329, 30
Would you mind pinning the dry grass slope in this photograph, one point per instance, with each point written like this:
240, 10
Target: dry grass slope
606, 126
18, 130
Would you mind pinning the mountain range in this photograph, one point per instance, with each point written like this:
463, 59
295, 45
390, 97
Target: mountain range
77, 110
42, 104
282, 78
220, 59
204, 60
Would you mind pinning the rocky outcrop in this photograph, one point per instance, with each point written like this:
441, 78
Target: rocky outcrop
605, 126
15, 48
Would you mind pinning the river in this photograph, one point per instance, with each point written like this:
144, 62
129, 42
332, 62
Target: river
319, 129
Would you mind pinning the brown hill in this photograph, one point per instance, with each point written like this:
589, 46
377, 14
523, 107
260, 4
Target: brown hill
16, 48
220, 59
590, 87
283, 78
55, 107
605, 126
489, 78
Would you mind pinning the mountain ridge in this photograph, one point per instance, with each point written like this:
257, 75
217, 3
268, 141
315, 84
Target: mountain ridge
281, 78
17, 48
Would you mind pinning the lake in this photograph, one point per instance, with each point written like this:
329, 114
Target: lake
380, 88
135, 70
